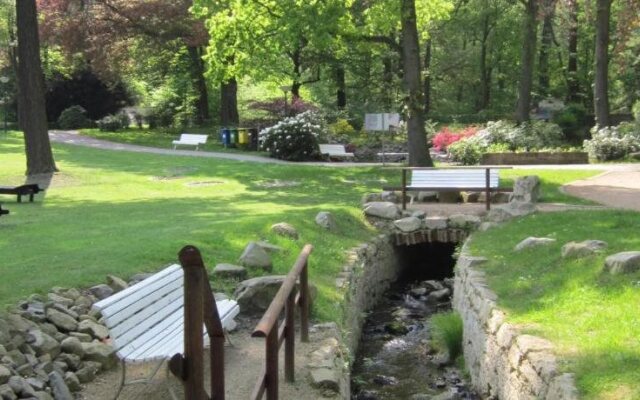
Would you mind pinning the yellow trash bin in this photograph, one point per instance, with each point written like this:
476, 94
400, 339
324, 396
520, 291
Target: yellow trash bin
243, 136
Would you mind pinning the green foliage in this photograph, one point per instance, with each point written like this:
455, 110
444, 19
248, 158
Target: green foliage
74, 117
573, 121
636, 111
342, 127
446, 330
112, 123
294, 138
613, 143
466, 151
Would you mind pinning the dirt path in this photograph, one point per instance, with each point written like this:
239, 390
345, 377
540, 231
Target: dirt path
244, 361
616, 189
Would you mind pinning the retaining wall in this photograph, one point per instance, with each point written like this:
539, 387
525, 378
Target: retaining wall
534, 158
503, 363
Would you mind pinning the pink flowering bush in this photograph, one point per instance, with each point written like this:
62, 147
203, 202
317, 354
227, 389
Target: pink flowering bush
446, 137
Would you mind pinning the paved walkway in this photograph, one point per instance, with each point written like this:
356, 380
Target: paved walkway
618, 186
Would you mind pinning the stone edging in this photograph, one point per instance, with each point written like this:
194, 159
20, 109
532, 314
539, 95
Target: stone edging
502, 362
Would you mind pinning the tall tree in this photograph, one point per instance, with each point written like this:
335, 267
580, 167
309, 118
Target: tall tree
573, 84
414, 101
546, 41
601, 73
31, 104
527, 60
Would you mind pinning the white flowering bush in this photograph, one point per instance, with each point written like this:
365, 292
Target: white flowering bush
294, 138
612, 143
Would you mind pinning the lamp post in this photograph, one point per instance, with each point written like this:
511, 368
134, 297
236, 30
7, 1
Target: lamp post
5, 99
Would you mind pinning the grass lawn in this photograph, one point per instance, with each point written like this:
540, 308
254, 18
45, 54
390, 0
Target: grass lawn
591, 316
121, 213
162, 138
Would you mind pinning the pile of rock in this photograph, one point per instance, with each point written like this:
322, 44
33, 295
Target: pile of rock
50, 345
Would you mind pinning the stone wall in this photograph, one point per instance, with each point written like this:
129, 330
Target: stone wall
534, 158
370, 270
503, 363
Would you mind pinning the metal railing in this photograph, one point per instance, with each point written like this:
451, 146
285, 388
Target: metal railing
275, 335
199, 308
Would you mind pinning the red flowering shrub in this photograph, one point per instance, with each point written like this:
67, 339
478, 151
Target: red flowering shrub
446, 137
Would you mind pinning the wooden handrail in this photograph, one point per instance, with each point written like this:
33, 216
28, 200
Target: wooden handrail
199, 308
268, 328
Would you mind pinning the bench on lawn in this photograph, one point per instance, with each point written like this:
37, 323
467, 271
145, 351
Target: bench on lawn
335, 150
146, 320
190, 139
3, 212
473, 179
22, 190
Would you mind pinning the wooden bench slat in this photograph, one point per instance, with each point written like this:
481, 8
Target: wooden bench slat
156, 336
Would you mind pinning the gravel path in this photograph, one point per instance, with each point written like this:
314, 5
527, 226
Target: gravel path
616, 189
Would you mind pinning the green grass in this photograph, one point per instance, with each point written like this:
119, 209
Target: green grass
590, 316
121, 213
162, 138
446, 329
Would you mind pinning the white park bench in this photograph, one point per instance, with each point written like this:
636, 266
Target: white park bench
145, 321
335, 150
190, 139
479, 179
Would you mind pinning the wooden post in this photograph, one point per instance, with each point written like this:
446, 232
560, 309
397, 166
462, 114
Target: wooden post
272, 347
289, 338
193, 322
404, 189
488, 188
304, 303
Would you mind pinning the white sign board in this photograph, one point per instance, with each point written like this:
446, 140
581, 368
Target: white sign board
381, 122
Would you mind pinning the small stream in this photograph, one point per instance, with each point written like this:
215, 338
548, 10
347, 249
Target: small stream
395, 359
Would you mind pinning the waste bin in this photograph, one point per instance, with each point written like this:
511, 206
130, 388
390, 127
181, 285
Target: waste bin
253, 139
234, 137
225, 137
243, 137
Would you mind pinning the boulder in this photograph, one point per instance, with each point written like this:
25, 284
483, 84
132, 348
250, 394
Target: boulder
21, 387
256, 257
470, 197
532, 241
72, 345
419, 214
325, 378
582, 249
6, 393
116, 283
61, 320
59, 387
526, 189
101, 291
42, 343
60, 299
325, 219
5, 374
382, 209
72, 381
254, 295
463, 221
285, 229
510, 210
101, 353
435, 222
268, 247
622, 263
93, 328
230, 271
449, 196
370, 197
409, 224
86, 374
139, 278
389, 196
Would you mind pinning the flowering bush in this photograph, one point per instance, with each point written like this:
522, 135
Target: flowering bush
294, 138
612, 143
445, 137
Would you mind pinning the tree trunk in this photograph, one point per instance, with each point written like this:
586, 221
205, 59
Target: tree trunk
418, 151
485, 70
229, 103
387, 82
601, 86
31, 104
573, 85
341, 92
199, 84
427, 76
527, 61
545, 47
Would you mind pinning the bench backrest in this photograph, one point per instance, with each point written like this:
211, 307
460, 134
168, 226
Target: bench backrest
453, 178
193, 138
332, 149
132, 312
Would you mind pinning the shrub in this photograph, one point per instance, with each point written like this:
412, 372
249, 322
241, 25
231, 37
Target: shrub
294, 138
612, 143
112, 123
467, 151
572, 120
446, 330
342, 127
445, 137
74, 117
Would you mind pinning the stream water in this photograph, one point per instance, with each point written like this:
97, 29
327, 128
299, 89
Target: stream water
396, 359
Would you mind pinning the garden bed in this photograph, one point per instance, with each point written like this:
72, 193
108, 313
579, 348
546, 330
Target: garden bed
535, 158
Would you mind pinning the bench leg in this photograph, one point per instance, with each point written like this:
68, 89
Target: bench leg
122, 379
19, 198
31, 198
